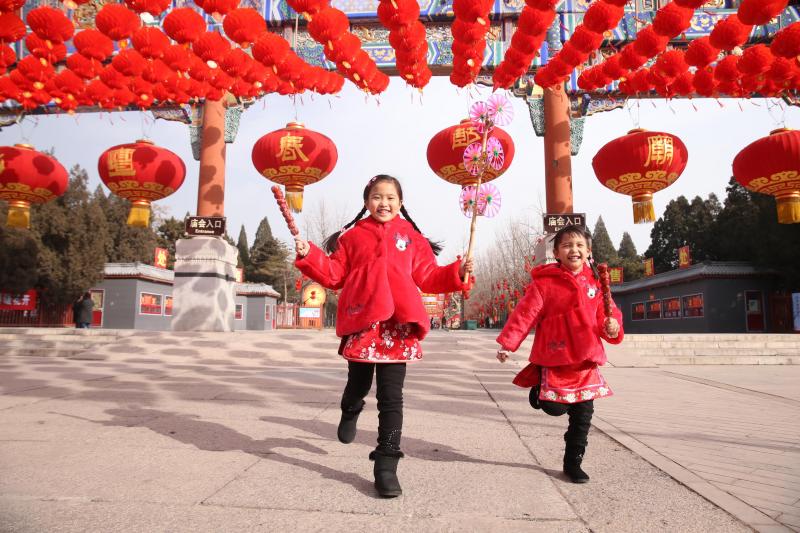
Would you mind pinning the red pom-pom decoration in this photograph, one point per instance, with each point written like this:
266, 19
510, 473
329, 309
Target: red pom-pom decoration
672, 20
758, 12
630, 60
584, 40
729, 33
727, 70
670, 64
649, 44
787, 42
700, 52
602, 17
756, 60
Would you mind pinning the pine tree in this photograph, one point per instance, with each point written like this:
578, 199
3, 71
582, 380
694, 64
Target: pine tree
169, 230
127, 244
72, 235
267, 257
629, 259
244, 252
602, 248
19, 258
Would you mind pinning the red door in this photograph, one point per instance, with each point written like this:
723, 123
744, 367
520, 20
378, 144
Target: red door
754, 310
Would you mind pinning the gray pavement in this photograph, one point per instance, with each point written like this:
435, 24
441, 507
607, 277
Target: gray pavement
219, 432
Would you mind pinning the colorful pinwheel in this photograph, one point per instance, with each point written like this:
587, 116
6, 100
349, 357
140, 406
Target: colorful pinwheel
494, 153
466, 200
479, 114
473, 159
489, 200
501, 113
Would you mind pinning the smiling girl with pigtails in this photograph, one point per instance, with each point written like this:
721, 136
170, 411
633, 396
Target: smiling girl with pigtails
379, 264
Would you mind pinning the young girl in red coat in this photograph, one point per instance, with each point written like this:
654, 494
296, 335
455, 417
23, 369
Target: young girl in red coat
564, 304
379, 264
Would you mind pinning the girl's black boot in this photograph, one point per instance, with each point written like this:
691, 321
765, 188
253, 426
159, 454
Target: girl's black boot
573, 457
385, 471
347, 424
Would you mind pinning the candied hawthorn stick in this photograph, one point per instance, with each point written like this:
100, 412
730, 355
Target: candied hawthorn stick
287, 215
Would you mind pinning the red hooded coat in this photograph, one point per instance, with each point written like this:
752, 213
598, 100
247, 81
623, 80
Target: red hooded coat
379, 266
567, 312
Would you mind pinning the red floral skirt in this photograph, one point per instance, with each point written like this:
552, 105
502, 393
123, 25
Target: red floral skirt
383, 342
565, 384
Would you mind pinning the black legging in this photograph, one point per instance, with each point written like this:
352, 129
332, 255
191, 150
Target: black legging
390, 378
580, 419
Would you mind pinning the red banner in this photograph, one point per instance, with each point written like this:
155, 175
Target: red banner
684, 258
160, 258
649, 269
18, 302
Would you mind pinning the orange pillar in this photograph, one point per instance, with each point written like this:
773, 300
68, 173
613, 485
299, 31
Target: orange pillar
211, 189
558, 159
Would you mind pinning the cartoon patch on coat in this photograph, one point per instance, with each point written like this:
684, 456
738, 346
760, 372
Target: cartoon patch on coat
401, 241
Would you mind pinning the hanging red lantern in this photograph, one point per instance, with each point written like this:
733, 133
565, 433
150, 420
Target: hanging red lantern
700, 52
787, 42
211, 47
648, 43
140, 171
729, 33
756, 60
294, 157
602, 16
771, 165
117, 22
446, 153
154, 7
672, 20
12, 28
184, 25
50, 24
759, 12
150, 42
28, 177
640, 164
8, 6
46, 50
243, 26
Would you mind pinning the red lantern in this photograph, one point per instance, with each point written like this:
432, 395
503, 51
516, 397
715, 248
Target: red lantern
244, 25
729, 33
294, 157
700, 53
640, 164
50, 24
140, 172
184, 25
759, 12
26, 177
117, 22
446, 153
93, 44
602, 17
671, 20
771, 165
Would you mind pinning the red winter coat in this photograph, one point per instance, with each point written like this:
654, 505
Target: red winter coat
379, 266
567, 312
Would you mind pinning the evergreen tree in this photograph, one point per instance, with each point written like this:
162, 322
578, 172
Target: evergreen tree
19, 258
629, 259
267, 257
169, 230
602, 248
127, 244
244, 252
72, 235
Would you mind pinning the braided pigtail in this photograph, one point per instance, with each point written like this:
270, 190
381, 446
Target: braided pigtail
332, 242
435, 246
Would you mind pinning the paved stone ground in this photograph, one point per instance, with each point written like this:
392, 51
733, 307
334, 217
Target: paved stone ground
218, 432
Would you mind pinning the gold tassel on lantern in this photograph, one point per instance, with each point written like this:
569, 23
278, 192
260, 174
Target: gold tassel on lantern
789, 208
19, 214
294, 198
139, 215
643, 209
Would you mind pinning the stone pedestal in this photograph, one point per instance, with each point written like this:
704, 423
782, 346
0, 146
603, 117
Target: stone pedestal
203, 294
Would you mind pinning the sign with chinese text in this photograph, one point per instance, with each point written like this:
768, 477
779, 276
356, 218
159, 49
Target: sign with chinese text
309, 312
18, 302
160, 258
649, 269
615, 274
684, 259
205, 226
556, 221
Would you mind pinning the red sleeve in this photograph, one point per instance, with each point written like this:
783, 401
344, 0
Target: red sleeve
523, 319
330, 272
429, 276
601, 319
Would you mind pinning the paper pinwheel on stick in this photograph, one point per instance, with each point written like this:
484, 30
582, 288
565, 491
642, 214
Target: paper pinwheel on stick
488, 153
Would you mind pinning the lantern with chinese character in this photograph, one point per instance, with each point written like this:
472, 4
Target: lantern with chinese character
640, 164
294, 157
446, 153
26, 177
142, 173
771, 165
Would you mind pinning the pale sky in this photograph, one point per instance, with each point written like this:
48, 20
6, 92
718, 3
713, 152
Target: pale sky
390, 134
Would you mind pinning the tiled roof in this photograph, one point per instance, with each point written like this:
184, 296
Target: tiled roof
706, 269
150, 272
